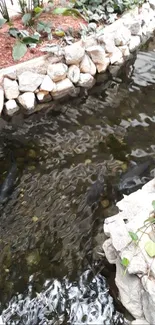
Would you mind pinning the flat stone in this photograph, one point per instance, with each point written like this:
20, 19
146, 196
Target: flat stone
30, 81
103, 67
43, 96
115, 56
57, 71
74, 53
97, 54
86, 80
11, 107
87, 65
125, 50
10, 88
122, 36
47, 84
63, 88
1, 99
134, 43
73, 73
27, 101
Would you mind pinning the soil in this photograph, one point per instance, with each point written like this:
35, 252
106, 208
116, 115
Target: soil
57, 22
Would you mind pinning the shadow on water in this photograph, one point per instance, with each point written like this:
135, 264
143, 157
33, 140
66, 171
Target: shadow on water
52, 266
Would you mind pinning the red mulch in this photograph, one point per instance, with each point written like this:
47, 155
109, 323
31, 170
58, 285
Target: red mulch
7, 42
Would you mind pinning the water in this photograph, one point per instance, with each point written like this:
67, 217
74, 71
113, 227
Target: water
52, 266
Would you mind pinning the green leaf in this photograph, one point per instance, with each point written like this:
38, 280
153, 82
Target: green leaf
26, 19
66, 11
13, 31
19, 50
38, 10
153, 204
133, 236
31, 39
43, 27
150, 248
2, 21
125, 262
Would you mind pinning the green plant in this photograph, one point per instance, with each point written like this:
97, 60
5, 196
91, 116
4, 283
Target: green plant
4, 10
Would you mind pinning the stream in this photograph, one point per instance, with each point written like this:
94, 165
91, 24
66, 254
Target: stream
53, 270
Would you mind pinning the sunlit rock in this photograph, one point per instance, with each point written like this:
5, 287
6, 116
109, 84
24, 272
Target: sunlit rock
87, 65
134, 43
122, 36
30, 81
11, 107
1, 99
10, 88
57, 71
74, 53
97, 54
86, 80
115, 56
47, 84
103, 67
74, 73
43, 96
125, 50
27, 101
62, 88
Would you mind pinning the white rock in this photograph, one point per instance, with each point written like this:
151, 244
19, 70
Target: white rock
109, 251
47, 84
109, 44
87, 65
43, 96
135, 27
97, 54
125, 50
57, 71
139, 322
118, 232
1, 99
27, 101
122, 36
90, 41
73, 73
103, 67
86, 80
11, 75
130, 288
152, 4
11, 107
74, 53
30, 81
148, 298
63, 88
134, 43
116, 56
137, 260
10, 88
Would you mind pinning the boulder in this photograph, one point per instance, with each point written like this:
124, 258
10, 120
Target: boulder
47, 84
97, 53
57, 71
134, 43
11, 107
27, 101
86, 80
10, 88
87, 65
74, 53
30, 81
73, 74
1, 99
63, 88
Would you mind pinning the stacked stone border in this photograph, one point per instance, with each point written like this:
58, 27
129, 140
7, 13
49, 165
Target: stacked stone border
31, 86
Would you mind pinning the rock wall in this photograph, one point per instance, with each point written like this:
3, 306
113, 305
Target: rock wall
72, 67
136, 280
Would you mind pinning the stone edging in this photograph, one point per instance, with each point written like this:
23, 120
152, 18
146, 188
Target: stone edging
29, 86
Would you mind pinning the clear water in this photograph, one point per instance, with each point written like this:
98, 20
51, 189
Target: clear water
52, 268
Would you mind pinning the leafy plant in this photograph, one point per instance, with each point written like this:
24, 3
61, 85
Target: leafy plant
2, 21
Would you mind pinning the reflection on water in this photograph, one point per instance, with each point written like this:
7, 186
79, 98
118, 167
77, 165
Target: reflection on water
52, 267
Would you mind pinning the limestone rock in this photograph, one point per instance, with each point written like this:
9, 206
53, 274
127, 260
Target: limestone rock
116, 56
137, 260
27, 101
122, 36
86, 80
43, 96
97, 53
87, 65
63, 88
103, 67
110, 252
129, 291
118, 232
74, 53
125, 50
47, 84
30, 81
134, 43
57, 71
1, 99
10, 88
73, 73
11, 107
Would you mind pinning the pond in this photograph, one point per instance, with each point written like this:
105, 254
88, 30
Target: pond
53, 270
